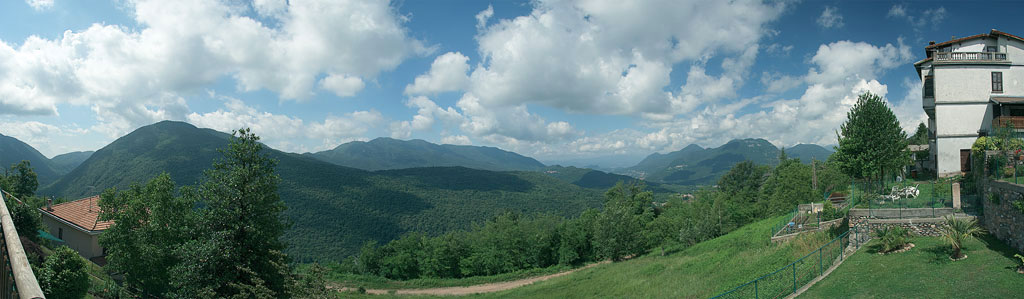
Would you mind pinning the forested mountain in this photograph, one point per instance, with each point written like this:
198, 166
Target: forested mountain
64, 163
333, 209
694, 165
13, 151
386, 153
807, 152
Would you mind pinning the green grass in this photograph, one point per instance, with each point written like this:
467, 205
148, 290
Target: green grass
377, 282
926, 272
935, 195
701, 271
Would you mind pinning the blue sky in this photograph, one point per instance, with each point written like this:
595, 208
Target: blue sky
555, 80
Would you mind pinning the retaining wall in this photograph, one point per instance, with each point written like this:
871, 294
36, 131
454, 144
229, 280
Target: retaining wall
1000, 217
919, 226
901, 213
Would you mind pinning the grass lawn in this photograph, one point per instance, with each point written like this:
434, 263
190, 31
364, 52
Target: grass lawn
377, 282
926, 272
701, 271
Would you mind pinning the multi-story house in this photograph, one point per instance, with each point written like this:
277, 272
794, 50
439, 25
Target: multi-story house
970, 85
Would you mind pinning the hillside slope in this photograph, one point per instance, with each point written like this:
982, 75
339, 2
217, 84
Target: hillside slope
807, 152
694, 165
64, 163
702, 271
333, 209
14, 151
386, 153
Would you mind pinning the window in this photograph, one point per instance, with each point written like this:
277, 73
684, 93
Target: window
997, 81
60, 233
929, 87
990, 49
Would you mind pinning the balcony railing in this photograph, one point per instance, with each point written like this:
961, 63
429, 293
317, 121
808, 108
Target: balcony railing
970, 57
1016, 121
16, 277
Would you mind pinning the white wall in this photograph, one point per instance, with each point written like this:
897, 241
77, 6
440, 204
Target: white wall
949, 153
962, 119
87, 245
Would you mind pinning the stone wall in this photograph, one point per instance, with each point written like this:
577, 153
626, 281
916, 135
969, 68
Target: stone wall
928, 227
901, 213
1003, 219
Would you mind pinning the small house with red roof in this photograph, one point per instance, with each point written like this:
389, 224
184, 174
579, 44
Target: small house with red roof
77, 223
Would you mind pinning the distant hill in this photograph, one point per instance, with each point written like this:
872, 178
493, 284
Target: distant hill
64, 163
14, 151
333, 209
603, 163
386, 153
694, 165
806, 152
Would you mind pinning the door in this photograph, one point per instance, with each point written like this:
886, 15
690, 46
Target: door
965, 160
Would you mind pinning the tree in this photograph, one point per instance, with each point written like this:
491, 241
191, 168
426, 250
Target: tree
789, 185
920, 136
871, 141
238, 252
150, 224
21, 180
618, 231
63, 275
742, 188
956, 231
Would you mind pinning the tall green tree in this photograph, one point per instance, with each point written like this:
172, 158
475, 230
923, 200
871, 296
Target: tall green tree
618, 231
151, 223
239, 251
63, 275
21, 180
741, 186
920, 135
789, 185
871, 141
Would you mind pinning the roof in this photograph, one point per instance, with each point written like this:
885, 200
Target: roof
83, 213
1008, 100
993, 33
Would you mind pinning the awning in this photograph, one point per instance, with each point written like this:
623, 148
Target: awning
1007, 100
47, 236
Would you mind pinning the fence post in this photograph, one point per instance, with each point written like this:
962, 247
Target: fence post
755, 289
794, 277
821, 267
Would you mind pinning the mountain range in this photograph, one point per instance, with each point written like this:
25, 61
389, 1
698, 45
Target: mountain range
13, 151
386, 153
333, 209
694, 165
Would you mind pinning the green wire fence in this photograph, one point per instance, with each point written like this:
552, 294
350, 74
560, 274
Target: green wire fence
788, 279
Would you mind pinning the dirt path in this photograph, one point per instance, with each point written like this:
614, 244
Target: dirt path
473, 289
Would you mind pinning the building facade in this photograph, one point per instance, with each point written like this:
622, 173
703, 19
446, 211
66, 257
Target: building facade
77, 224
969, 86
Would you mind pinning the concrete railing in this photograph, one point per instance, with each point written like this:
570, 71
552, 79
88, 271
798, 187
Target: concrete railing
16, 277
969, 56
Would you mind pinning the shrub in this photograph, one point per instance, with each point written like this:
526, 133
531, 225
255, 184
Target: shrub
892, 238
63, 275
1020, 268
957, 231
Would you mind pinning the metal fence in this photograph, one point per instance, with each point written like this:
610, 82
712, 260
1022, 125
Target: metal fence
784, 223
788, 279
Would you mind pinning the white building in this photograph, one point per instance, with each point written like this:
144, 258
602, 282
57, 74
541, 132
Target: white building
969, 84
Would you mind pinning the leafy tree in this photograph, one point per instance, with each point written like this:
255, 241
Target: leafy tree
21, 180
789, 185
956, 231
664, 229
618, 230
63, 275
920, 135
238, 252
150, 224
871, 141
312, 284
742, 186
575, 236
26, 220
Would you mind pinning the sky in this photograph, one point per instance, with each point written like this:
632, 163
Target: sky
554, 80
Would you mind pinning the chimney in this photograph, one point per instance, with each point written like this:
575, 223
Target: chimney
49, 204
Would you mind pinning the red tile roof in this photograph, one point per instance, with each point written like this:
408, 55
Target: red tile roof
992, 33
83, 213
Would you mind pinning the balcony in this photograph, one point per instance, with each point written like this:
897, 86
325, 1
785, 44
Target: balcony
971, 57
16, 277
1016, 121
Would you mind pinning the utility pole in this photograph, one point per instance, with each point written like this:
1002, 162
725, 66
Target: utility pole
814, 174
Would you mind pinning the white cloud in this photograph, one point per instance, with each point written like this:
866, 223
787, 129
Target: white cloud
341, 85
613, 57
483, 16
908, 110
510, 125
898, 10
285, 132
40, 4
776, 82
447, 73
132, 76
456, 140
830, 18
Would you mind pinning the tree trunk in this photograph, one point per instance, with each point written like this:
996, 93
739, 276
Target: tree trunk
956, 253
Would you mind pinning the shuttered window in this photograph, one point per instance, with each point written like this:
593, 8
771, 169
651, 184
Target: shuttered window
997, 81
